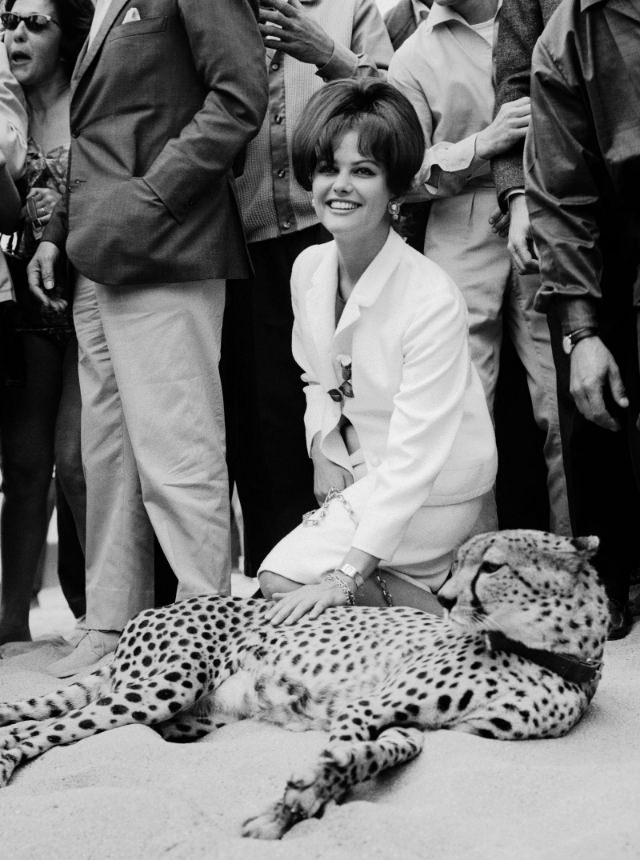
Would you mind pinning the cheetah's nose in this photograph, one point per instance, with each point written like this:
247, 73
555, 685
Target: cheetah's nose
446, 602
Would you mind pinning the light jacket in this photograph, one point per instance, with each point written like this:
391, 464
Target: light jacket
418, 408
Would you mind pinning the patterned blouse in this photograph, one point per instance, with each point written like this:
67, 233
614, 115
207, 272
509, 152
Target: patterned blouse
43, 170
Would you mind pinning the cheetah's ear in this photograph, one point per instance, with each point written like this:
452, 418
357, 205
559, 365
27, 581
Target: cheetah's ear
586, 546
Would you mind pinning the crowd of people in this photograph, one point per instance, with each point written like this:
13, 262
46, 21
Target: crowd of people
325, 258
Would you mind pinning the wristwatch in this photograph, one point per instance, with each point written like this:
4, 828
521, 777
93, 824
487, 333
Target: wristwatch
574, 337
352, 573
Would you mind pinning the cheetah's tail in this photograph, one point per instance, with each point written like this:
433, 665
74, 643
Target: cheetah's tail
74, 695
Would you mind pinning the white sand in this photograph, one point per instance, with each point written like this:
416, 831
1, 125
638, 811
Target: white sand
128, 794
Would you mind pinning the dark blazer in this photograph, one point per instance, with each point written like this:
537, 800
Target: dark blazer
400, 22
161, 108
520, 24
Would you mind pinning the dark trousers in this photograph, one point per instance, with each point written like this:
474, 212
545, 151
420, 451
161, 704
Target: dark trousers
264, 402
601, 466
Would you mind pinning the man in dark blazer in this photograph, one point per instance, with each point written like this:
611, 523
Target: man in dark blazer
164, 98
603, 498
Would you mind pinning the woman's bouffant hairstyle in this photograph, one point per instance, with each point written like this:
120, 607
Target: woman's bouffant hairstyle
389, 131
74, 18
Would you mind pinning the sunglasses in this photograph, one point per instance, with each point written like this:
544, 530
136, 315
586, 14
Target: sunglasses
34, 23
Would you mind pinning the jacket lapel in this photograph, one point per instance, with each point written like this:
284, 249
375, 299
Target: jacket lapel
89, 52
321, 309
366, 291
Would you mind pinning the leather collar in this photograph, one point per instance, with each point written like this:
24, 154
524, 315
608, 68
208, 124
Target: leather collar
566, 665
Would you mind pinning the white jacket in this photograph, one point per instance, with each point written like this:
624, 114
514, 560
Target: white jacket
418, 408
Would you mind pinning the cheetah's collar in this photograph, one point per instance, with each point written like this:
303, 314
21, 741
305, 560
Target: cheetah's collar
566, 665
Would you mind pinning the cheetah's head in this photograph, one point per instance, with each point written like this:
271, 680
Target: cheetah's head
535, 587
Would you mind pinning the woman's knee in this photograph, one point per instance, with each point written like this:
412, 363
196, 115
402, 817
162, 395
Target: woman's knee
271, 583
69, 470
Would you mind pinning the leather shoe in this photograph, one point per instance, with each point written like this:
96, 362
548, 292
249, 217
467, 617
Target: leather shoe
87, 653
621, 619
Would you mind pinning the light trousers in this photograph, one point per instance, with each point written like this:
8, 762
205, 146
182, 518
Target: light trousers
459, 238
153, 442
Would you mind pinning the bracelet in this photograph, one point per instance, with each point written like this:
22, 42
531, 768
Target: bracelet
352, 574
331, 577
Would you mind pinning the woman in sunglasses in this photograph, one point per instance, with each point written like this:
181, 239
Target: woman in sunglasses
40, 420
397, 424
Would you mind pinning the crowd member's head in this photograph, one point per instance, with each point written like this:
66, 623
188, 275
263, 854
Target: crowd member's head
44, 38
387, 127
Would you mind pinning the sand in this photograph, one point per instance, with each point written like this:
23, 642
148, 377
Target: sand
128, 794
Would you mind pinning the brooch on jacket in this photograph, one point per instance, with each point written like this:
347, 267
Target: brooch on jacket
345, 389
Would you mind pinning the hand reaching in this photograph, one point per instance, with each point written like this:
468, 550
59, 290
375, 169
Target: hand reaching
40, 205
594, 374
508, 128
41, 276
521, 246
285, 26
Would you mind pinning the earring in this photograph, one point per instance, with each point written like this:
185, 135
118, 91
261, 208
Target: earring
393, 208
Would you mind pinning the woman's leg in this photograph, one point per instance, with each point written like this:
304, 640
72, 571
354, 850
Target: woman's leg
28, 422
416, 571
70, 485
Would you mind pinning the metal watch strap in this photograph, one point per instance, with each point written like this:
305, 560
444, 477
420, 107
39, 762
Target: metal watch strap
352, 573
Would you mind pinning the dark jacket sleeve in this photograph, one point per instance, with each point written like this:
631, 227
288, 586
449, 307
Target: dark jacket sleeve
400, 23
233, 109
520, 24
562, 193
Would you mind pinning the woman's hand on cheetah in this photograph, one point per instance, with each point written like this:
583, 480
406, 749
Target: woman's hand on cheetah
311, 600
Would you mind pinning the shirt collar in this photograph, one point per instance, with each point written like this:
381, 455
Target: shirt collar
443, 14
420, 11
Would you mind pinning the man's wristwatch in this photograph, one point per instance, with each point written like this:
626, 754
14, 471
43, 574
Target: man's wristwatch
574, 337
352, 573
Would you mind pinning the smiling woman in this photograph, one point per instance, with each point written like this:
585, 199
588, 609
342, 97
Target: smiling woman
41, 417
397, 425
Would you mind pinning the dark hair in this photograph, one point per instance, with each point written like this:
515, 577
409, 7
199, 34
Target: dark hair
389, 131
74, 17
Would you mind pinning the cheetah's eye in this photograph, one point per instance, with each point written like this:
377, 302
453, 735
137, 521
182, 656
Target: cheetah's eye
490, 567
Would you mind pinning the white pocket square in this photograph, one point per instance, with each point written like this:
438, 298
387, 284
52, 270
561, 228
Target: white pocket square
132, 15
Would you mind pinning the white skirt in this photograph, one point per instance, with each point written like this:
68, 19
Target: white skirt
322, 540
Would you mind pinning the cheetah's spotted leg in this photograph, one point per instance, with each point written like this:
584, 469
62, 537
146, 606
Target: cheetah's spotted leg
188, 727
341, 766
9, 761
121, 708
75, 695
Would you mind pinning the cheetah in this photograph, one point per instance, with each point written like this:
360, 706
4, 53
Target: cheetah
516, 656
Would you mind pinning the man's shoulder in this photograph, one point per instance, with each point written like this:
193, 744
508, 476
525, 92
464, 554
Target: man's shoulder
412, 51
561, 17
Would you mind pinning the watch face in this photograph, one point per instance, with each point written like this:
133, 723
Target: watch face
567, 344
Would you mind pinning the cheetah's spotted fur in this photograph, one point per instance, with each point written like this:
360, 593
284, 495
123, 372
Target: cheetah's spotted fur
374, 678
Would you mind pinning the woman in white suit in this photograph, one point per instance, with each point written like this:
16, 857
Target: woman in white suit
397, 424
